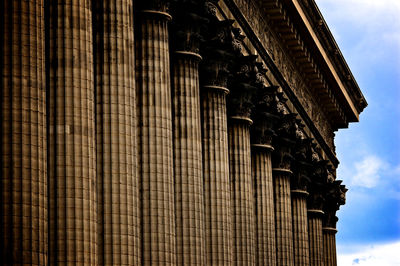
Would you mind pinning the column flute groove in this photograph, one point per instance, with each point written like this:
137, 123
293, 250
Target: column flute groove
155, 135
117, 178
23, 132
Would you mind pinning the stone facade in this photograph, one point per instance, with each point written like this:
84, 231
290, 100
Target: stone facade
169, 132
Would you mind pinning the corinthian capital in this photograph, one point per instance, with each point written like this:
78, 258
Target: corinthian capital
186, 28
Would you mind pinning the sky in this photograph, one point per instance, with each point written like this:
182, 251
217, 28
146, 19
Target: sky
368, 34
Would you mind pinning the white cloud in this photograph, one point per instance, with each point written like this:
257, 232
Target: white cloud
368, 171
371, 255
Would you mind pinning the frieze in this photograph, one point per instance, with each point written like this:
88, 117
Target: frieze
286, 66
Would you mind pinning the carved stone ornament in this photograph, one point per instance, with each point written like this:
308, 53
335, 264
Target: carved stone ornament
189, 19
335, 197
242, 86
156, 5
217, 53
302, 165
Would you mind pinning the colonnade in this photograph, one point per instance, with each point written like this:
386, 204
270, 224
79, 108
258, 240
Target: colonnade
144, 132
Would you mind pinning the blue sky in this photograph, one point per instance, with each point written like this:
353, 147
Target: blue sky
368, 34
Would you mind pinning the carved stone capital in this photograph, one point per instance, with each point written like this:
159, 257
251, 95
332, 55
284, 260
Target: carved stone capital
242, 86
186, 28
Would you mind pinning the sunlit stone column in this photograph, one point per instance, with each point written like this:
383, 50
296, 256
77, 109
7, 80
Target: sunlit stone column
72, 151
188, 167
155, 136
117, 178
242, 195
23, 184
217, 201
283, 207
301, 167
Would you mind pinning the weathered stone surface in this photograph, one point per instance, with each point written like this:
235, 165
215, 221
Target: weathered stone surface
71, 142
118, 230
155, 137
23, 183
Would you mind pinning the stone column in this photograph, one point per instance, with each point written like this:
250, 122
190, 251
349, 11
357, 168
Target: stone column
283, 207
117, 178
155, 137
300, 178
335, 196
72, 151
315, 236
242, 195
261, 138
217, 201
300, 227
188, 167
329, 239
23, 185
315, 211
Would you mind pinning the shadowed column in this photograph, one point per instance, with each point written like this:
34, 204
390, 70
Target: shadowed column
301, 168
188, 167
23, 184
242, 88
315, 203
117, 178
283, 207
155, 137
265, 118
217, 201
334, 197
72, 154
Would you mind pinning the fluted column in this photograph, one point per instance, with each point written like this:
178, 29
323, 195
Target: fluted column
300, 228
117, 178
189, 206
264, 204
72, 153
283, 215
241, 190
302, 169
315, 236
217, 199
282, 192
265, 118
329, 239
335, 195
23, 231
155, 137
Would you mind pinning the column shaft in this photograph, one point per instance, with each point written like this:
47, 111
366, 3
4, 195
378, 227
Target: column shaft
283, 216
189, 191
329, 246
117, 178
23, 184
241, 191
217, 200
315, 237
300, 228
72, 151
264, 205
155, 139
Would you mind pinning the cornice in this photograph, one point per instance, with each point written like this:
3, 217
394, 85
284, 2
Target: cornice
328, 41
292, 85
